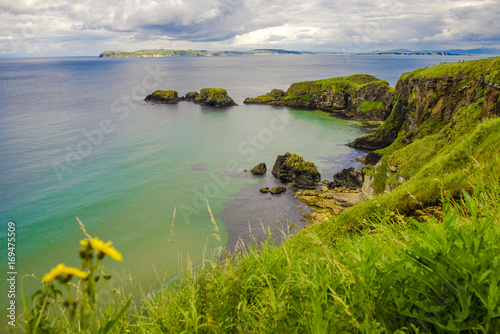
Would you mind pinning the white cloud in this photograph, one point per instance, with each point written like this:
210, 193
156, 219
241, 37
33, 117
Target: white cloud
358, 25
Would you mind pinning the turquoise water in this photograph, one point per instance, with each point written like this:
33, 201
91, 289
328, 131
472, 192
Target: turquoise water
77, 140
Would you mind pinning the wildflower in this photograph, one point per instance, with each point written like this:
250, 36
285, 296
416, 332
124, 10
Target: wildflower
61, 270
102, 247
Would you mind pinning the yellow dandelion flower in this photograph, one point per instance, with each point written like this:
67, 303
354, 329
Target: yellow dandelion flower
61, 269
103, 247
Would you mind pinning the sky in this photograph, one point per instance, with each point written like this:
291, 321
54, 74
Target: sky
88, 27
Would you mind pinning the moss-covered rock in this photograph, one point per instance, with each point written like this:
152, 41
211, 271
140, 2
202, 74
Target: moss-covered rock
163, 96
274, 95
259, 169
215, 97
427, 99
359, 96
292, 168
191, 96
277, 190
348, 178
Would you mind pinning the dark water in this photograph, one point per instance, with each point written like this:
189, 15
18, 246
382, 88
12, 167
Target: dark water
76, 139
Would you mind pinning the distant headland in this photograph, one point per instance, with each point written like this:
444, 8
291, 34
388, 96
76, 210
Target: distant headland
257, 52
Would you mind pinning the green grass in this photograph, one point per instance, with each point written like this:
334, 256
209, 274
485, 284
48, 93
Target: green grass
375, 81
339, 84
394, 275
367, 106
306, 97
476, 68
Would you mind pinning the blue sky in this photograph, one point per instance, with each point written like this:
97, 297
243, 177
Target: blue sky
88, 27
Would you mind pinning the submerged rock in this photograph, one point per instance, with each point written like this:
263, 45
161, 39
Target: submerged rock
264, 190
294, 169
164, 96
259, 169
215, 97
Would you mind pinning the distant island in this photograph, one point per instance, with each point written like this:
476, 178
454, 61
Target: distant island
257, 52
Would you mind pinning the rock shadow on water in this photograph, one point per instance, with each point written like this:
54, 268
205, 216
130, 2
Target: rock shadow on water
251, 213
199, 167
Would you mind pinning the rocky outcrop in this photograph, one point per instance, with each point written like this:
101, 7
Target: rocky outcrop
359, 96
277, 190
191, 96
348, 178
372, 158
273, 191
292, 168
427, 99
214, 97
259, 169
164, 96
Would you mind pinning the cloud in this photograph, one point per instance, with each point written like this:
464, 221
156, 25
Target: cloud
325, 25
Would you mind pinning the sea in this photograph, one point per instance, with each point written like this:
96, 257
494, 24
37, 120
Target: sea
78, 141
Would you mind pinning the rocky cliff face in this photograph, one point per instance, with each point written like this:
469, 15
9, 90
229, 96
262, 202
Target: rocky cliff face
427, 99
359, 96
435, 108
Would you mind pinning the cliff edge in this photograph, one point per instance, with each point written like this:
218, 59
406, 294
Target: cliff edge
427, 99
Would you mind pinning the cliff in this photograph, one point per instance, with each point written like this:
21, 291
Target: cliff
442, 133
427, 99
359, 96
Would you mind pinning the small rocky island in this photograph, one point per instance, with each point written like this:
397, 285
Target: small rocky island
359, 96
214, 97
164, 96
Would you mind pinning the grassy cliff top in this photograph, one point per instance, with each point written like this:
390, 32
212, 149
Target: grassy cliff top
352, 82
489, 68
